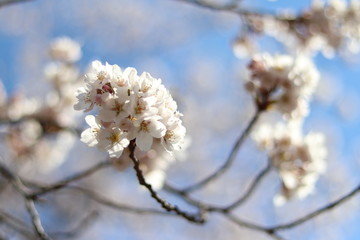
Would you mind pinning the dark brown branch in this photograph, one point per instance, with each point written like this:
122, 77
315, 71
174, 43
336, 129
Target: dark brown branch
29, 202
316, 212
196, 218
60, 184
231, 158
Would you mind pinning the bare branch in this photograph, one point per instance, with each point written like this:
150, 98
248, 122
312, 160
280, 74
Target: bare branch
35, 219
196, 218
79, 228
29, 202
118, 206
250, 190
60, 184
10, 2
15, 224
231, 158
234, 4
252, 226
316, 212
237, 203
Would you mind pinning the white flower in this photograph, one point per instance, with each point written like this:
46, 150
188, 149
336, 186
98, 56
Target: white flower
284, 82
148, 129
90, 135
174, 136
113, 140
65, 49
86, 98
299, 160
114, 109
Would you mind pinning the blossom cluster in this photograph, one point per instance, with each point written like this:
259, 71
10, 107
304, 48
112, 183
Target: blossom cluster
131, 107
287, 84
65, 49
298, 159
283, 82
31, 122
325, 27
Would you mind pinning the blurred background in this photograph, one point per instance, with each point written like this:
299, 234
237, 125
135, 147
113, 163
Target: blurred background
192, 50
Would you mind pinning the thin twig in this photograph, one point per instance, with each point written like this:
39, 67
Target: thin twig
196, 218
29, 202
231, 158
79, 228
60, 184
252, 226
115, 205
15, 224
250, 190
230, 207
185, 196
234, 4
9, 2
316, 212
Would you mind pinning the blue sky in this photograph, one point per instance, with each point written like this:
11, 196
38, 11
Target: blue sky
172, 40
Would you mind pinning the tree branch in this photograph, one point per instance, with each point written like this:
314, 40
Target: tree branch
79, 228
316, 212
29, 202
231, 158
60, 184
252, 226
196, 218
234, 4
15, 224
118, 206
251, 189
237, 203
9, 2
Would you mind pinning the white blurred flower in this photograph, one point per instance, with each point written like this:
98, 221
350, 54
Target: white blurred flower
284, 82
326, 27
59, 73
298, 159
65, 49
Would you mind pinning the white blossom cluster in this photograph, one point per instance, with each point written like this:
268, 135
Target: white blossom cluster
298, 159
325, 27
63, 75
283, 82
287, 84
65, 49
131, 107
30, 139
61, 71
